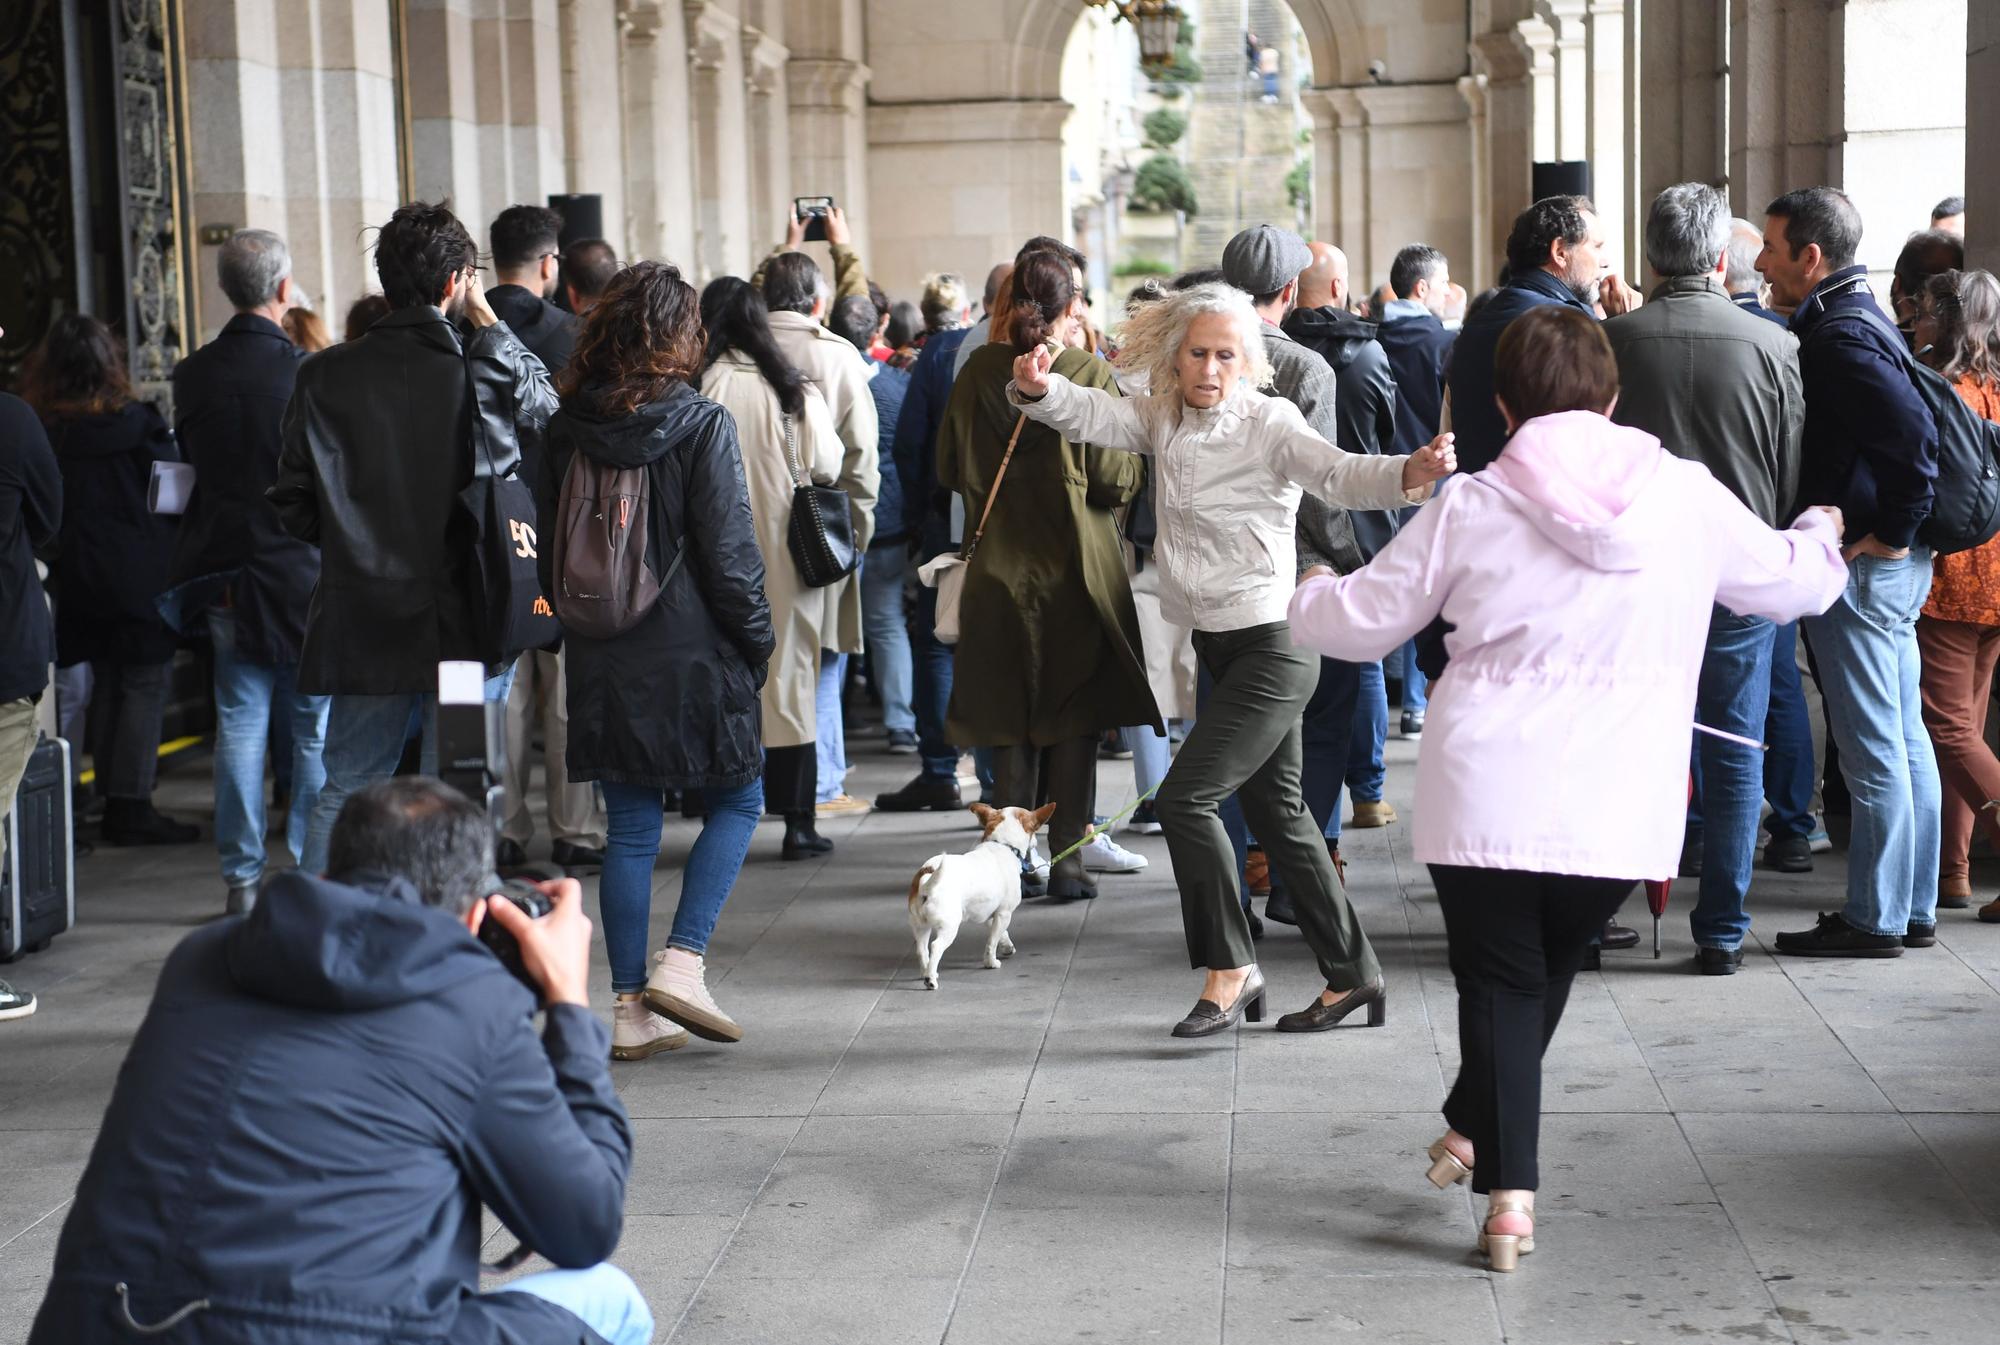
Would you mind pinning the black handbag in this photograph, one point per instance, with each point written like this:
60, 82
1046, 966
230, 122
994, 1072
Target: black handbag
821, 535
512, 612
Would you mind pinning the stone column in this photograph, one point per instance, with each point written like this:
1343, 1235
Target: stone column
294, 130
991, 174
593, 105
770, 134
659, 167
1566, 21
1898, 145
1982, 138
830, 133
1678, 52
1472, 269
722, 171
1607, 145
1517, 66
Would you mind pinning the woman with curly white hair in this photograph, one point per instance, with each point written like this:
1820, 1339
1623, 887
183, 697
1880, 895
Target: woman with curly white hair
1230, 464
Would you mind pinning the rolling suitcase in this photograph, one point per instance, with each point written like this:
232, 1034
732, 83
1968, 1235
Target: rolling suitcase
38, 876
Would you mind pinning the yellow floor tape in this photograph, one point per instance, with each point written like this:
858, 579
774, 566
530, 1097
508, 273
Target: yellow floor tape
167, 749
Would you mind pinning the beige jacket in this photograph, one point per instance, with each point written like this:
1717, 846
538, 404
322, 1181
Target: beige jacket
840, 372
798, 613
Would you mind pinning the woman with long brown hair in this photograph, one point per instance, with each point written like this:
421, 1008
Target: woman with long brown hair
1958, 631
111, 563
1049, 653
671, 703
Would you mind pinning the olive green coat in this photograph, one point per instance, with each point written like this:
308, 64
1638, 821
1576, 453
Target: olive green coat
1048, 646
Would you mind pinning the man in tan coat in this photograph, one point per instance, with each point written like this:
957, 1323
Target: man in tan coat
795, 291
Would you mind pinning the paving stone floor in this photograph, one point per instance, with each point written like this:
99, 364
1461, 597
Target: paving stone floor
1807, 1152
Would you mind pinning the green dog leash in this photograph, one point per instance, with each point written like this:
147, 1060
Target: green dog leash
1093, 832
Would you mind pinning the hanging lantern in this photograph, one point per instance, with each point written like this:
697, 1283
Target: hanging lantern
1158, 23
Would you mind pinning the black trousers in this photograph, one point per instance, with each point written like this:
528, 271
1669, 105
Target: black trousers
791, 780
1517, 940
1065, 775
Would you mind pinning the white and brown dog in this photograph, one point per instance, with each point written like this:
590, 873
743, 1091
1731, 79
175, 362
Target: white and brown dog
982, 886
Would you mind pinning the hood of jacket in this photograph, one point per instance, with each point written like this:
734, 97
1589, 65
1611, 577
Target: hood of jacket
1338, 335
324, 945
103, 435
1582, 481
637, 438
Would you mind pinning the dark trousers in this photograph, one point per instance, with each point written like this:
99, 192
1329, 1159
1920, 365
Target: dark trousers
1065, 775
930, 692
1516, 942
791, 780
1246, 741
128, 703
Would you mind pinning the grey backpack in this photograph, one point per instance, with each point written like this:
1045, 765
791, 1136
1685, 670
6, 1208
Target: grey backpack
604, 584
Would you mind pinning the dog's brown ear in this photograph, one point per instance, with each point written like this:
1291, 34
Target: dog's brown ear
1041, 816
985, 814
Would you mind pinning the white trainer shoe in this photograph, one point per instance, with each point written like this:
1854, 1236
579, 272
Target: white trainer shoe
1104, 855
637, 1032
678, 990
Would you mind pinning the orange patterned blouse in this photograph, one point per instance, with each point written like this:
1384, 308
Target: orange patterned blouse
1966, 586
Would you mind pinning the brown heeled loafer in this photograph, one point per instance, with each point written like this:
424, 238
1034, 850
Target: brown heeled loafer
1319, 1016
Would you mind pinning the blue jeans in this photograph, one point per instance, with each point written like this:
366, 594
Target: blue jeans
1415, 701
602, 1297
1151, 753
251, 701
1788, 766
1327, 740
364, 741
1866, 645
831, 744
931, 696
1734, 696
1371, 729
884, 574
633, 814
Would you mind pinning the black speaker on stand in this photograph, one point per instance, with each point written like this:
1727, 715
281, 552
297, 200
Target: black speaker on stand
583, 216
1568, 177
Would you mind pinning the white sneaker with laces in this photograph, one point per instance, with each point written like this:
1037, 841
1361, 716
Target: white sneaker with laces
1104, 855
15, 1003
678, 991
637, 1032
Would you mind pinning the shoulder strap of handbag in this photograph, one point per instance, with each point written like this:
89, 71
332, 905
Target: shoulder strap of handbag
994, 493
792, 452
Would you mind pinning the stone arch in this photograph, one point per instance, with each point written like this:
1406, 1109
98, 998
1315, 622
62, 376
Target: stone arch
1034, 68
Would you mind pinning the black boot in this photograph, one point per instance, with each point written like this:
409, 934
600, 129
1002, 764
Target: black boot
802, 838
137, 822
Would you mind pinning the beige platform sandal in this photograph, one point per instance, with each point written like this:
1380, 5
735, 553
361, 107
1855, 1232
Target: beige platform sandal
1504, 1250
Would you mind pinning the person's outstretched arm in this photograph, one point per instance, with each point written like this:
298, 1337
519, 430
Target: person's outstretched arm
1369, 614
1080, 415
1349, 480
1781, 576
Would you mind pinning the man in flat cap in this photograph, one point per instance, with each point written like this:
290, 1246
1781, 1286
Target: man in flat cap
1265, 262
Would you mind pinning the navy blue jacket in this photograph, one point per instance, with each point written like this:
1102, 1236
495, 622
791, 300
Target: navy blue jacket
1870, 445
926, 505
889, 386
229, 401
31, 506
321, 1098
1475, 420
1748, 302
1416, 347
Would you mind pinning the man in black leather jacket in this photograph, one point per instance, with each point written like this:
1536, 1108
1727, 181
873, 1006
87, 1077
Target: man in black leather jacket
377, 446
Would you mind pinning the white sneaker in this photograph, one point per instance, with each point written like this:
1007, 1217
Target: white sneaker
637, 1032
678, 991
1104, 855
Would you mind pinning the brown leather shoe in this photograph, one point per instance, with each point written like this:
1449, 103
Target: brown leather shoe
1954, 894
1990, 912
1257, 873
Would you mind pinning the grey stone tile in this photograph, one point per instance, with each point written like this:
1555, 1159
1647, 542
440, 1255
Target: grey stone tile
1969, 1148
1285, 1214
711, 1167
1618, 1167
833, 1309
1067, 1305
1306, 1307
1824, 1312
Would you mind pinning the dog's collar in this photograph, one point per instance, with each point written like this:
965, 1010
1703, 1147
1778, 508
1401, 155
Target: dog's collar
1027, 857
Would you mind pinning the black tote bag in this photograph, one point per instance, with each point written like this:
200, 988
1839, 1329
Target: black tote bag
513, 613
821, 534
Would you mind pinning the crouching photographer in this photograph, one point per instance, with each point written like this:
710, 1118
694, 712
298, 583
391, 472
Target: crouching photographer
326, 1092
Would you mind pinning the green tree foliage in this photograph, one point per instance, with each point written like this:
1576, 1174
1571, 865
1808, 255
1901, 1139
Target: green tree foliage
1298, 183
1164, 127
1162, 184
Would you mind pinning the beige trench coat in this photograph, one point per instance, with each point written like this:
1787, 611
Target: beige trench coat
798, 613
840, 372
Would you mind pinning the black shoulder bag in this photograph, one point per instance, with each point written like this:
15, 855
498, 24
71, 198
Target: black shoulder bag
821, 535
511, 611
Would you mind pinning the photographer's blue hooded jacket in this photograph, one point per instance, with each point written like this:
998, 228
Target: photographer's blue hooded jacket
322, 1096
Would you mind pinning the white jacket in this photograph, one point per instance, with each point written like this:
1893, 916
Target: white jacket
1227, 481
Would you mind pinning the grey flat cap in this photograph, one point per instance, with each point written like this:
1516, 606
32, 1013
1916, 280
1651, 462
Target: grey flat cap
1265, 259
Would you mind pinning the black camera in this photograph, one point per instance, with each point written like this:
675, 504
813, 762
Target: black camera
533, 903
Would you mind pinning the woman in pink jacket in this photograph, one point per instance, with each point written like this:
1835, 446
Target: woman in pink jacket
1577, 572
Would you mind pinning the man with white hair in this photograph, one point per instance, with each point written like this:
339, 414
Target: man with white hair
1722, 389
1745, 286
239, 578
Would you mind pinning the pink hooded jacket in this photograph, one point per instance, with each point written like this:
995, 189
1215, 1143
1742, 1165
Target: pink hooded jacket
1580, 570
